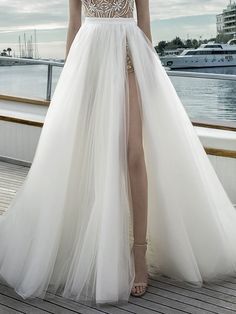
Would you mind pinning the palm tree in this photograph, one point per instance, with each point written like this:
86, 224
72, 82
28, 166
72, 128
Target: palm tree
9, 51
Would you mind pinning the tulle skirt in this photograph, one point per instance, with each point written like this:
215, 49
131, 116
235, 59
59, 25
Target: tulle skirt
68, 228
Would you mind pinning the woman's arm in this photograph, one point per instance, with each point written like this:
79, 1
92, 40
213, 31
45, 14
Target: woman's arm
74, 22
143, 17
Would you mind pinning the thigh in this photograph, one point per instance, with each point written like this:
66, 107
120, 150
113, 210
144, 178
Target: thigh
135, 120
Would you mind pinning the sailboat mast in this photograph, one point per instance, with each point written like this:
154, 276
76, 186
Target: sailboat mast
20, 48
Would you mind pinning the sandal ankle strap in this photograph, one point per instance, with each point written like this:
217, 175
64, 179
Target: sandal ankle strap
140, 244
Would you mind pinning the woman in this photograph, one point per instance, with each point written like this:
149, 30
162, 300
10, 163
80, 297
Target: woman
135, 153
115, 126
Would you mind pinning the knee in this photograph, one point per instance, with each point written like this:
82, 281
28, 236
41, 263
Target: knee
135, 157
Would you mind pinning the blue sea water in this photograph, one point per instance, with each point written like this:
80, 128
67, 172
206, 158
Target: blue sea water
210, 99
202, 98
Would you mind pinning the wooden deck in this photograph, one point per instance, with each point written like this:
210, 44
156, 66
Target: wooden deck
163, 296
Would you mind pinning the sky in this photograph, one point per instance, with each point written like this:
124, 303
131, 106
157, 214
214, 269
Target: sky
183, 18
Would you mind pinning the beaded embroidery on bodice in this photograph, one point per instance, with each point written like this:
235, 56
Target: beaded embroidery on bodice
108, 8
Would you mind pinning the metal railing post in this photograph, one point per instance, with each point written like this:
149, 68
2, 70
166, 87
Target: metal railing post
49, 82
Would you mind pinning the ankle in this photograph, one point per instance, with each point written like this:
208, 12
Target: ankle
139, 250
140, 246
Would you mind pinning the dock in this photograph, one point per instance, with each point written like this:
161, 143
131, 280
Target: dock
164, 295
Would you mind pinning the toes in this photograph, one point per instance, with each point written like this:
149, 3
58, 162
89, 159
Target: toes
138, 289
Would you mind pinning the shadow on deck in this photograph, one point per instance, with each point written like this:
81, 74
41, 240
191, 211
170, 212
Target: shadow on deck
163, 296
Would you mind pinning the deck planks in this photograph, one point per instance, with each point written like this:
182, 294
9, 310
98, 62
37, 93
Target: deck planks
165, 295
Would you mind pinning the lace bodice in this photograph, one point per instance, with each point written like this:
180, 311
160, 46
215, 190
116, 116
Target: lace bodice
108, 8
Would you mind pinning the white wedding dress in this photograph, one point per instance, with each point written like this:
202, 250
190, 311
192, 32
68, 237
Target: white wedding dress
67, 229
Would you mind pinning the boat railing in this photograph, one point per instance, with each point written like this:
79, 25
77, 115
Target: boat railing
51, 63
214, 76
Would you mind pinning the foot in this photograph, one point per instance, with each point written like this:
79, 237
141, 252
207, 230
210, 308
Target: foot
141, 274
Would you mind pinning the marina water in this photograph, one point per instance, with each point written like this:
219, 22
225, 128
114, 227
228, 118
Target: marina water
202, 98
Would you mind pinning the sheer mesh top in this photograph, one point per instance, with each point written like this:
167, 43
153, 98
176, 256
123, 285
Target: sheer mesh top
108, 8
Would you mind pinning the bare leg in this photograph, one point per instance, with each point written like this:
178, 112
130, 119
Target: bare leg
138, 181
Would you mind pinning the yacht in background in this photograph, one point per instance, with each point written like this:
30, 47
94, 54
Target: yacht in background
207, 55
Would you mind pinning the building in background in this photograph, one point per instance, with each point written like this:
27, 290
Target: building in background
226, 21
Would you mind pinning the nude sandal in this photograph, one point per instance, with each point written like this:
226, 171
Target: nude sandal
143, 285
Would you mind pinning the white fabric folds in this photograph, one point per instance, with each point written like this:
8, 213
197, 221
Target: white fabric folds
68, 228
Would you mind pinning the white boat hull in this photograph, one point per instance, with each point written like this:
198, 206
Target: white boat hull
184, 62
18, 142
